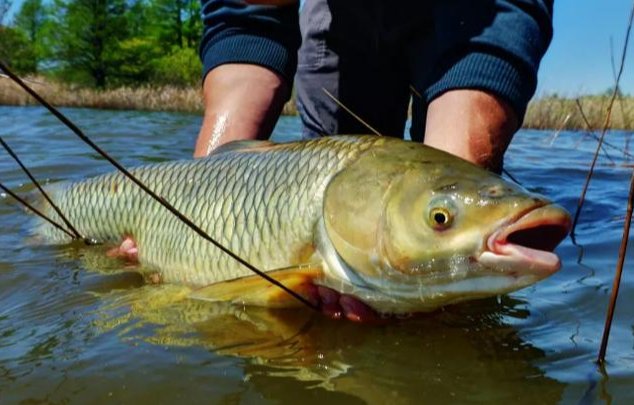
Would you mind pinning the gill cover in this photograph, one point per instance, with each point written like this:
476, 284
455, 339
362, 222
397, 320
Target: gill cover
355, 204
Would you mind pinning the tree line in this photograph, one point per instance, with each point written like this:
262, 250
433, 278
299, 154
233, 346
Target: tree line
104, 43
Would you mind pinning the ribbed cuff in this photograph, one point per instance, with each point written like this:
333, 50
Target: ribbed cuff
241, 47
484, 71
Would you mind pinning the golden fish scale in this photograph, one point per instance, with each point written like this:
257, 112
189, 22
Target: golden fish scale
262, 204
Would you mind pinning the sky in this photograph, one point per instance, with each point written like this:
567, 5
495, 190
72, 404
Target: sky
579, 59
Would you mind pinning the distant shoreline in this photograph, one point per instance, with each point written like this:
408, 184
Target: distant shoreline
549, 112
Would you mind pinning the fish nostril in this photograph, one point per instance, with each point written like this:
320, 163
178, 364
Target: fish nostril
493, 191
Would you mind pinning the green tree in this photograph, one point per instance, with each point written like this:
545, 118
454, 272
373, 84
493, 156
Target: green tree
176, 22
138, 18
166, 18
181, 67
16, 50
31, 20
135, 60
89, 32
194, 24
110, 42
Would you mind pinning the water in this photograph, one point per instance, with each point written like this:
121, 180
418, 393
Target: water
74, 328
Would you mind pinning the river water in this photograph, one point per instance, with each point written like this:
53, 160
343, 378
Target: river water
75, 328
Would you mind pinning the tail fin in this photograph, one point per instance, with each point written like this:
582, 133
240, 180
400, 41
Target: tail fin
44, 231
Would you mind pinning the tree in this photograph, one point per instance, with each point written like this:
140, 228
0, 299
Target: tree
135, 61
176, 22
138, 18
108, 42
181, 67
31, 19
16, 50
89, 34
194, 26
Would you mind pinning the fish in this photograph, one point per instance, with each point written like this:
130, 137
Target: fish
372, 221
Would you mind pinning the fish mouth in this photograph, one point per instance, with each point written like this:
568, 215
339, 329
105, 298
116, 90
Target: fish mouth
525, 245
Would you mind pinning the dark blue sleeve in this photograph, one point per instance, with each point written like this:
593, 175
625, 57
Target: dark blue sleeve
235, 32
494, 46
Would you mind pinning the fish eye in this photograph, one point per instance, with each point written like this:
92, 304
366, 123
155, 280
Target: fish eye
440, 218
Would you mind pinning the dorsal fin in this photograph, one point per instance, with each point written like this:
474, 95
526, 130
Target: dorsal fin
242, 145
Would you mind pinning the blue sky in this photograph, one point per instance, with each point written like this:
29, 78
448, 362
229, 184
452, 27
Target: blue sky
578, 60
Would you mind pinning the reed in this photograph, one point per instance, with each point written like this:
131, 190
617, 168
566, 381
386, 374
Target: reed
548, 112
150, 98
145, 98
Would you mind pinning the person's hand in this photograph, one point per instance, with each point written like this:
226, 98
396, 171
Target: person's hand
242, 101
472, 124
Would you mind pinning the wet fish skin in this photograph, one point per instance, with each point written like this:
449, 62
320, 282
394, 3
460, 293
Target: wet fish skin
261, 203
362, 207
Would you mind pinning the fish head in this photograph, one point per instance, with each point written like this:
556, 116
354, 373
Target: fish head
415, 228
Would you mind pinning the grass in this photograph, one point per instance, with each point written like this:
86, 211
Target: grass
159, 98
555, 112
550, 112
148, 98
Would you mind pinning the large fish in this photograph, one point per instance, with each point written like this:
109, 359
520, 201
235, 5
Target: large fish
396, 225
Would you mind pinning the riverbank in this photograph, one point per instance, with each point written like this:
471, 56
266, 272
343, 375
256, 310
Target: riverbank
144, 98
563, 113
549, 112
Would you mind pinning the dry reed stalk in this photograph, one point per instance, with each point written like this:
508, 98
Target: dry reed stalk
617, 277
605, 143
149, 98
606, 125
75, 234
590, 131
549, 112
349, 111
628, 218
626, 121
561, 127
34, 210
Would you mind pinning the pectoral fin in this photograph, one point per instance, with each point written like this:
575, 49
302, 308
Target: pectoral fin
255, 290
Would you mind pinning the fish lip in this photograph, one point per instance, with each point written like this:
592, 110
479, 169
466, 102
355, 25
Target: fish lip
526, 260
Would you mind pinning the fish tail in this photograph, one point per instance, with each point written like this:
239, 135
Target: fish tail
43, 230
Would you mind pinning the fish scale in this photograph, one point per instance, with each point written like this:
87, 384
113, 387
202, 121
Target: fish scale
262, 206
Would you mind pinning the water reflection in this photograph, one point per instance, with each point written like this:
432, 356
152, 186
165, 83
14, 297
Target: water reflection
465, 351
